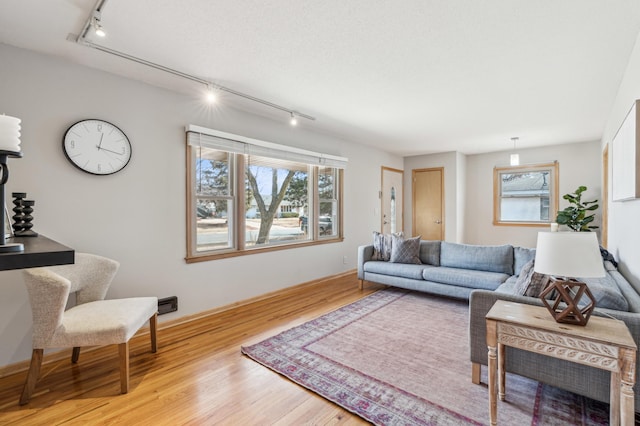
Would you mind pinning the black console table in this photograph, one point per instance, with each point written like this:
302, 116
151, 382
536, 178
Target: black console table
38, 251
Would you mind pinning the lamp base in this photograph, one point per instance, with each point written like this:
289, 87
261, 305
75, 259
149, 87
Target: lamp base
11, 247
569, 292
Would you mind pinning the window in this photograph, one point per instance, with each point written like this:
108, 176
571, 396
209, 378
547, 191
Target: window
525, 195
246, 196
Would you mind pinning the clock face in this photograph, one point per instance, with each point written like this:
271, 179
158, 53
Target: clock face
97, 147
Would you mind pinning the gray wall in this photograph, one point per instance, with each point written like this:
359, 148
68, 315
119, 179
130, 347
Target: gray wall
138, 215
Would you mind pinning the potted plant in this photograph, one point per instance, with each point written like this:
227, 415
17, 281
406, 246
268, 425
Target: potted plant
576, 216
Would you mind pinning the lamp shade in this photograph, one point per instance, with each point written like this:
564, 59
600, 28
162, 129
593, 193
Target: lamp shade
9, 133
569, 254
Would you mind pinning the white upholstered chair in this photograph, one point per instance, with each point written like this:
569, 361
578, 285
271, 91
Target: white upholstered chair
92, 321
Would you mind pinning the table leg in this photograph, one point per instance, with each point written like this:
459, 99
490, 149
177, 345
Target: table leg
627, 378
492, 361
614, 399
501, 374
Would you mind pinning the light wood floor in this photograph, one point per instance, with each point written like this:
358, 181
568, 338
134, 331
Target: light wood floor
198, 376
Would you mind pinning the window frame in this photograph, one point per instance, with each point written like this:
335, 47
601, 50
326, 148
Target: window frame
237, 222
553, 168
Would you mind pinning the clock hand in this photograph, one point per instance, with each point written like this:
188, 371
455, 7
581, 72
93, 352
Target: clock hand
100, 144
108, 150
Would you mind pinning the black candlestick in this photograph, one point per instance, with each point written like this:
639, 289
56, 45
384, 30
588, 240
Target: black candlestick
26, 225
4, 177
17, 210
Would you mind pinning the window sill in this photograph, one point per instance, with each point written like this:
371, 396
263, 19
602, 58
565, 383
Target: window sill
204, 257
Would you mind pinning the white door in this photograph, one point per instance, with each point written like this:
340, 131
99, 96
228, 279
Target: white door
391, 199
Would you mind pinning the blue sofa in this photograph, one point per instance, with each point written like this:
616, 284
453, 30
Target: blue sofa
447, 269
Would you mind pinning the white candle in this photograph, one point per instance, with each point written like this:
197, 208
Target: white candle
554, 227
9, 133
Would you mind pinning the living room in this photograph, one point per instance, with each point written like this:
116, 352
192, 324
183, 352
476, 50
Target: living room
138, 216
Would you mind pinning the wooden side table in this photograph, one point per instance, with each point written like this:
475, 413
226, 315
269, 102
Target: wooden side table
603, 343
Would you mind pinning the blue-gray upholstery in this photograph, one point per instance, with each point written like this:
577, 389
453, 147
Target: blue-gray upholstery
464, 277
480, 258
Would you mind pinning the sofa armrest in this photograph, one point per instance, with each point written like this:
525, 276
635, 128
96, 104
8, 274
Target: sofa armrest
480, 302
365, 253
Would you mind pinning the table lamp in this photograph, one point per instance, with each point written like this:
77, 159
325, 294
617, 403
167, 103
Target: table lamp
9, 147
564, 256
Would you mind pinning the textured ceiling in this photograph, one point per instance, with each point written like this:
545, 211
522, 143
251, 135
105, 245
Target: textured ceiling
407, 76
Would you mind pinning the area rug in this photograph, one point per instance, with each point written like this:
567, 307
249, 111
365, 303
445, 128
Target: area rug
402, 358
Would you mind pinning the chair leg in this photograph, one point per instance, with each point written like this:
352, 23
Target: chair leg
75, 354
153, 326
123, 348
32, 376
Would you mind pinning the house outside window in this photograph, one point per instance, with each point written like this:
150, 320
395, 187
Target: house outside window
246, 196
526, 195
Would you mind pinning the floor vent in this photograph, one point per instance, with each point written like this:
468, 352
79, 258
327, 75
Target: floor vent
168, 304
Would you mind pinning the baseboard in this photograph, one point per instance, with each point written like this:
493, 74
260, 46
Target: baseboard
66, 353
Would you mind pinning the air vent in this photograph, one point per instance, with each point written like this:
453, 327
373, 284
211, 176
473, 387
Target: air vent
168, 304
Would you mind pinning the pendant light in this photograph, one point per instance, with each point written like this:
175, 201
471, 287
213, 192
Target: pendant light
515, 158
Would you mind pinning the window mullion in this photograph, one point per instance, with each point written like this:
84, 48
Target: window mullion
239, 197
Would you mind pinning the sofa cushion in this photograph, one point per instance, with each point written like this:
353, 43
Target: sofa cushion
464, 277
521, 256
405, 251
430, 252
480, 258
403, 270
606, 292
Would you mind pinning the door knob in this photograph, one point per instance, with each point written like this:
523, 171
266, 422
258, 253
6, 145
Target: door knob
438, 221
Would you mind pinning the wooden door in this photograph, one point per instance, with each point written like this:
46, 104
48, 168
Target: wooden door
428, 204
392, 199
605, 197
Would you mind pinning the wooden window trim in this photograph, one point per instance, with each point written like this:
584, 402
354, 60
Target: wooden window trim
553, 198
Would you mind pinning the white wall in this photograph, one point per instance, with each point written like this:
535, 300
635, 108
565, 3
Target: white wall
138, 215
624, 232
579, 164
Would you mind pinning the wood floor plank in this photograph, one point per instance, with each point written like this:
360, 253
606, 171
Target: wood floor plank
197, 376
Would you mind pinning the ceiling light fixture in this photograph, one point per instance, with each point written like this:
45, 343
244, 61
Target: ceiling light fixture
211, 95
294, 120
97, 27
515, 158
95, 17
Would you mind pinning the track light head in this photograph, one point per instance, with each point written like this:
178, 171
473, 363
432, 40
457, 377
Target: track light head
294, 120
97, 27
211, 95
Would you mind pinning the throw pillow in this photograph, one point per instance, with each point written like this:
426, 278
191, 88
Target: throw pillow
530, 283
537, 284
405, 251
382, 245
524, 278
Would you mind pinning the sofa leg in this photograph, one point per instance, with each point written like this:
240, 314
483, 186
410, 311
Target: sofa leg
475, 373
361, 284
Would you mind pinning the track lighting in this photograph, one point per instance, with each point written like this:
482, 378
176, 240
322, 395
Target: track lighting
97, 27
93, 23
515, 158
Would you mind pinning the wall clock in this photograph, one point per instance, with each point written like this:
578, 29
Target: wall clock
97, 147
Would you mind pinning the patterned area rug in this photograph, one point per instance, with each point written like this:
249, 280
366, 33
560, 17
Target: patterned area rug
402, 358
